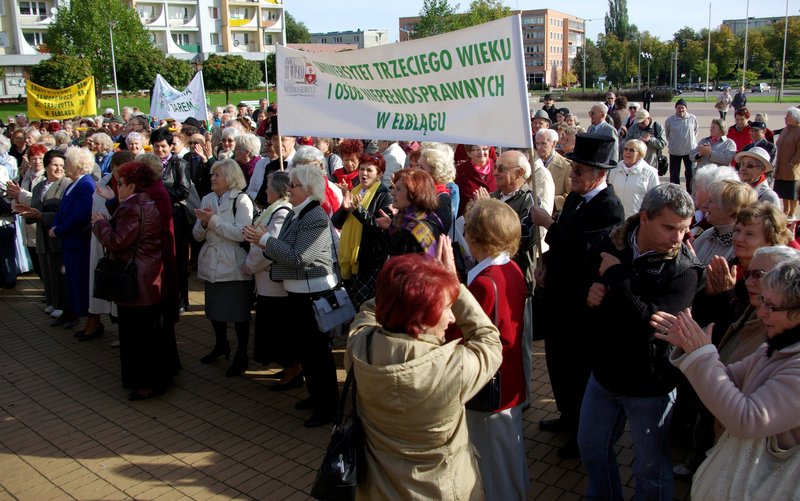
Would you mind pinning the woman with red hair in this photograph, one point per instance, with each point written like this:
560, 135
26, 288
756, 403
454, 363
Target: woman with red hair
350, 150
412, 384
21, 193
414, 226
146, 353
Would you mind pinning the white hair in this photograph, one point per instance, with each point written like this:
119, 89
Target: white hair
548, 134
81, 158
249, 143
794, 112
103, 139
778, 253
440, 160
134, 136
709, 173
308, 155
602, 107
310, 176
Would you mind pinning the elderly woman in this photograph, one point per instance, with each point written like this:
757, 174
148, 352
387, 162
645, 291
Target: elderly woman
135, 143
493, 232
414, 227
227, 142
245, 152
632, 178
103, 150
133, 232
437, 160
473, 173
42, 209
787, 162
739, 132
725, 199
702, 179
333, 161
362, 243
714, 149
301, 257
754, 399
73, 217
417, 441
7, 161
566, 140
753, 166
228, 290
34, 175
272, 301
347, 176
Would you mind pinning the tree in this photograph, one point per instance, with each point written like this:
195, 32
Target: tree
137, 71
230, 73
178, 72
81, 29
568, 79
296, 31
616, 20
699, 69
435, 18
758, 56
684, 36
483, 11
60, 71
724, 51
594, 63
271, 76
774, 43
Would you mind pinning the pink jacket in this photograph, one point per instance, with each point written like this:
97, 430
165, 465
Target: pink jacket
755, 397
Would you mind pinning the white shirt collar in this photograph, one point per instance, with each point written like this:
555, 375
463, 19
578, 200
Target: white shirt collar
600, 187
489, 261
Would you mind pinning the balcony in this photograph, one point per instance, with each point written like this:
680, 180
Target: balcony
190, 47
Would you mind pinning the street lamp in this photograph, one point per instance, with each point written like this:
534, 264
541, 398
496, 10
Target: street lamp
583, 82
649, 58
111, 25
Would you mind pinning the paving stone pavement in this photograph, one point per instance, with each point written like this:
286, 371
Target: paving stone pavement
68, 431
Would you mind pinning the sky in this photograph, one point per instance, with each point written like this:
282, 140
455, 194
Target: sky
662, 18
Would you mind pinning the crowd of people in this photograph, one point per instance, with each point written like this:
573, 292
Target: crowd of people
457, 256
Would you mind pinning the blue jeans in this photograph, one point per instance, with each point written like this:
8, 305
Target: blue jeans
603, 416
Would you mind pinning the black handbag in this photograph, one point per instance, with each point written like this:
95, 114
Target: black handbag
488, 399
344, 463
117, 281
663, 164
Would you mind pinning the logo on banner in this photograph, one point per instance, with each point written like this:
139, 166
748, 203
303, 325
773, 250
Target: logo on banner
301, 77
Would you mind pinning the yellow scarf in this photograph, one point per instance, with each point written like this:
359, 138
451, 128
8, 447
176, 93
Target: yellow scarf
350, 239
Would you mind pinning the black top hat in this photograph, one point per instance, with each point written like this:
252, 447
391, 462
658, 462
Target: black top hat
758, 125
594, 150
192, 121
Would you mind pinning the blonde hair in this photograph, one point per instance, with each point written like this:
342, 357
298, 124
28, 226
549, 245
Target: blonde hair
493, 226
732, 195
232, 173
439, 158
81, 158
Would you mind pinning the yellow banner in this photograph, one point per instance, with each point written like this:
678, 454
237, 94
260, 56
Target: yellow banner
61, 104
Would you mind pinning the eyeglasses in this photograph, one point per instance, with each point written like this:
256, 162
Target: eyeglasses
755, 274
772, 309
750, 165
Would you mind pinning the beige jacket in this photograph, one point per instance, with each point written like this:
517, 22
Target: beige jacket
787, 161
559, 168
411, 399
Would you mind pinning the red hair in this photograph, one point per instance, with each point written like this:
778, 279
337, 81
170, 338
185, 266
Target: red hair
139, 174
411, 293
37, 149
350, 147
375, 159
421, 188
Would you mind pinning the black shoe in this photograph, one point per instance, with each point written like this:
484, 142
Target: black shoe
216, 353
296, 382
278, 375
84, 336
238, 366
137, 395
318, 420
569, 450
554, 425
304, 405
70, 324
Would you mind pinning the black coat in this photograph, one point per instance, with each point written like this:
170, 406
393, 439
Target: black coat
627, 359
200, 173
176, 180
374, 240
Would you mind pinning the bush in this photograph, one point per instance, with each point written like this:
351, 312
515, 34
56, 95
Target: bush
659, 95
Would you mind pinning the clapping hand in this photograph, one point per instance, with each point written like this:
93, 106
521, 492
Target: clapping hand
719, 278
98, 217
253, 234
385, 221
28, 211
204, 215
681, 331
596, 294
444, 253
105, 192
481, 193
12, 190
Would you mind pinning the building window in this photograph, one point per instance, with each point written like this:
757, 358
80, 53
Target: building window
357, 38
181, 38
214, 38
32, 8
337, 39
213, 12
268, 39
34, 38
240, 14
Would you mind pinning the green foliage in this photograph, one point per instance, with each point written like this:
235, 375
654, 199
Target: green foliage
684, 36
178, 72
616, 21
483, 11
436, 17
230, 73
758, 56
773, 41
594, 63
699, 69
724, 51
60, 71
271, 75
137, 71
81, 29
296, 31
749, 78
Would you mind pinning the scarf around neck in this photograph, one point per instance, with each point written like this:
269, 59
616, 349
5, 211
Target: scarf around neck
342, 176
413, 221
783, 340
352, 230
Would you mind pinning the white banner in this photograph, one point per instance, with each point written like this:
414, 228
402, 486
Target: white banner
168, 102
467, 86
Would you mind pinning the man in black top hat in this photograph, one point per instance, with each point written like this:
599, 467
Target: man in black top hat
589, 210
758, 132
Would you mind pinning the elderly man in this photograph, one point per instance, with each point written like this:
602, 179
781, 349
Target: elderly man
641, 267
541, 120
200, 161
562, 282
651, 133
558, 166
681, 132
758, 135
394, 156
262, 106
600, 126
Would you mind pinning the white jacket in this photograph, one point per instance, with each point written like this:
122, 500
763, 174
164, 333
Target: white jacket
259, 265
221, 258
631, 185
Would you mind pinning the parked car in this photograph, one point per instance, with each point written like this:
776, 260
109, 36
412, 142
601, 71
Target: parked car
762, 87
723, 86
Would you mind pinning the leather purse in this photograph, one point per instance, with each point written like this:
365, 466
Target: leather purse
488, 399
117, 281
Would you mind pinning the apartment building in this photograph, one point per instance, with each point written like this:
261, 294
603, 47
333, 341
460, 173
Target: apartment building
359, 39
737, 26
551, 40
186, 29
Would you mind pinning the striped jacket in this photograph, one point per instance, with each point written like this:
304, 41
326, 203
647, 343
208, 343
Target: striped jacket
303, 247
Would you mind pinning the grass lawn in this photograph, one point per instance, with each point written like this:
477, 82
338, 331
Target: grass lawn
143, 103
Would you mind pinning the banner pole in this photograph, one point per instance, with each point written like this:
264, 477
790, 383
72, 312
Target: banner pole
280, 150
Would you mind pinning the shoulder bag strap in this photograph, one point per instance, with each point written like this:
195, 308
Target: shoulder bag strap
494, 286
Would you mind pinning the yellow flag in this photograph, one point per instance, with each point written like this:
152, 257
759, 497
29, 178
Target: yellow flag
61, 104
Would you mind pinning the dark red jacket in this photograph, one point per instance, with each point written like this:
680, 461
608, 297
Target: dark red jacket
469, 180
136, 228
